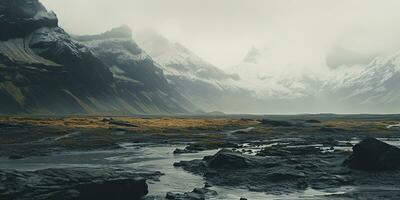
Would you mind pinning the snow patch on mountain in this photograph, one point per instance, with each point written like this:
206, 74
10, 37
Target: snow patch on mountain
376, 82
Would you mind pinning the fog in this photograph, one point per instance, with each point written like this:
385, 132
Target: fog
222, 32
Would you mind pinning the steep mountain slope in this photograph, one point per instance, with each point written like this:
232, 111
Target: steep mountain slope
44, 71
375, 88
137, 75
202, 83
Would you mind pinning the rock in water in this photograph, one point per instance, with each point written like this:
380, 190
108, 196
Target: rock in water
372, 154
196, 194
227, 159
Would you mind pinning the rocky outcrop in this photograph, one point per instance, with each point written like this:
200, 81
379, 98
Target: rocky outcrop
71, 184
196, 194
19, 18
274, 175
226, 159
373, 154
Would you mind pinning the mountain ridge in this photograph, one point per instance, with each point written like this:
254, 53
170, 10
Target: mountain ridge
205, 85
44, 71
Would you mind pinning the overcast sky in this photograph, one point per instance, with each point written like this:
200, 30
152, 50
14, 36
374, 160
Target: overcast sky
223, 31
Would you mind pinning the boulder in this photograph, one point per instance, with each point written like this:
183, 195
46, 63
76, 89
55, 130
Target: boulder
72, 184
183, 151
373, 154
227, 159
196, 194
121, 188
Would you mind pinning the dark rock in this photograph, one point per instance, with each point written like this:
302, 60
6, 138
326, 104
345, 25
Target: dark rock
313, 121
203, 146
269, 122
227, 159
72, 184
278, 150
177, 164
291, 170
204, 191
373, 154
193, 196
196, 194
234, 169
20, 17
183, 151
171, 195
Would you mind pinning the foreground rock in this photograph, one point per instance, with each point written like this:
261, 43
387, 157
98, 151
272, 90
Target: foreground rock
274, 175
196, 194
72, 184
372, 154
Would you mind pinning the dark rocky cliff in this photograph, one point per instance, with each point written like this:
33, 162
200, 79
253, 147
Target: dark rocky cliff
45, 71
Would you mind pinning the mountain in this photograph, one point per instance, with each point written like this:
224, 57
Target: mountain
270, 78
345, 88
373, 88
137, 75
202, 83
43, 70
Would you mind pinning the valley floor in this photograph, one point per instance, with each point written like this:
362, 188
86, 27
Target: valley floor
270, 157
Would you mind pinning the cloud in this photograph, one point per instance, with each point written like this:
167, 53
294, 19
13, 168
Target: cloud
223, 31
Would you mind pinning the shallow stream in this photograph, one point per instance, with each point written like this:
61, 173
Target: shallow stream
156, 157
